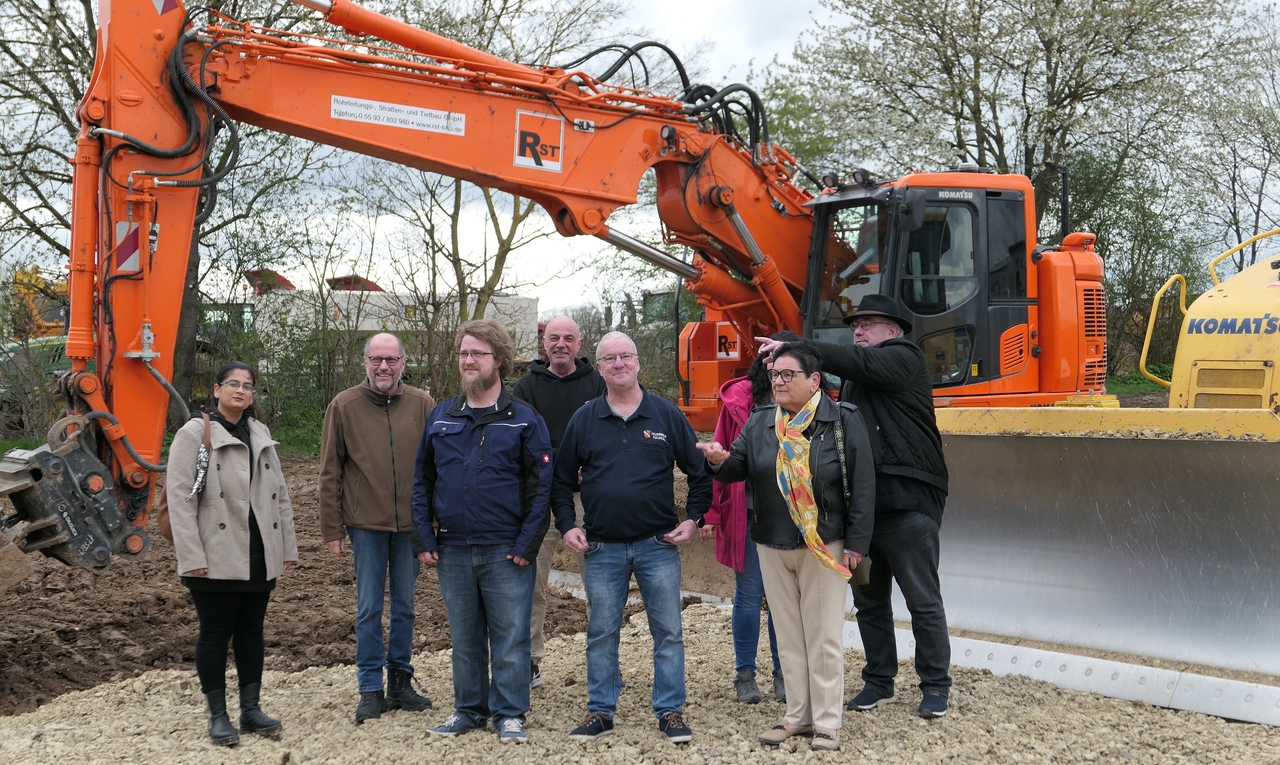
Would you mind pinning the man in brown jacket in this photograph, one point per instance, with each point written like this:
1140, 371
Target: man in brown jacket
368, 451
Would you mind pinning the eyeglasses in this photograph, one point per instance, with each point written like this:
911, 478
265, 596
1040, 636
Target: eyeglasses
626, 358
477, 355
866, 324
237, 385
786, 375
390, 360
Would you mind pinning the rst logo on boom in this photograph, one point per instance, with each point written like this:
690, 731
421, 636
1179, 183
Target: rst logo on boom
1257, 325
539, 141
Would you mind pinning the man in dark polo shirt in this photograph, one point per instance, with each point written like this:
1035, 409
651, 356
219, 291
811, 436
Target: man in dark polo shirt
887, 378
625, 443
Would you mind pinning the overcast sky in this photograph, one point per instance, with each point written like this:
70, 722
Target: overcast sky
738, 32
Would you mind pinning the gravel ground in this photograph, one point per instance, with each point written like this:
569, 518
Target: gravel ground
157, 718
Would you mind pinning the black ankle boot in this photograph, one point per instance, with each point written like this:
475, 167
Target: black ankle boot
221, 730
400, 692
252, 718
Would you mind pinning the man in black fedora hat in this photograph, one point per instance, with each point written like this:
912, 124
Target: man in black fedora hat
886, 377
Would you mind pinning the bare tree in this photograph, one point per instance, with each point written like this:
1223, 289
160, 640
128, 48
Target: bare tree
1015, 86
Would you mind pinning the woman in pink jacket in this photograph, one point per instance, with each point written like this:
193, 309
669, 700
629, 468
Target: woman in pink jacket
729, 512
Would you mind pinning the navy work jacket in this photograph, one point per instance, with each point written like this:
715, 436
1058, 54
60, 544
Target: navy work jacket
483, 479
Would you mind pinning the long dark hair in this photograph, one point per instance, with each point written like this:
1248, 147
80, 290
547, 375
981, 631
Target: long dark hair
222, 376
761, 388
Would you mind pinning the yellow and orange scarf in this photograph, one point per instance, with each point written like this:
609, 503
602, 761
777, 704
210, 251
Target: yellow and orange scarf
796, 483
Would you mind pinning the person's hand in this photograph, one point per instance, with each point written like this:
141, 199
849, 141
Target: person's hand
337, 546
851, 560
197, 572
683, 534
575, 540
767, 346
430, 557
714, 452
516, 559
289, 564
707, 532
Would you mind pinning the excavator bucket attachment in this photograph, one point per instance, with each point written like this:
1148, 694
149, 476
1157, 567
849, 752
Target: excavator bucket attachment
1148, 532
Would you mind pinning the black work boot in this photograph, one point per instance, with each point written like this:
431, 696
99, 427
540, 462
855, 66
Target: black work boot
252, 718
372, 705
221, 730
400, 692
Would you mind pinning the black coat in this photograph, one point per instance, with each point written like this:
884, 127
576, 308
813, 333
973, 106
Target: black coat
891, 386
754, 457
557, 398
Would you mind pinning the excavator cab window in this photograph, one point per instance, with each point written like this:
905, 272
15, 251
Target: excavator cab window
948, 354
857, 256
1007, 248
940, 271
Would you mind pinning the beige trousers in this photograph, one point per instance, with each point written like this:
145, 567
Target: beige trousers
546, 554
807, 601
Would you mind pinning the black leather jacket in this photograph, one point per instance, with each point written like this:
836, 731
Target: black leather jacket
753, 458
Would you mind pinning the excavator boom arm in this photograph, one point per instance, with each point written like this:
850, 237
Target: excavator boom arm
166, 79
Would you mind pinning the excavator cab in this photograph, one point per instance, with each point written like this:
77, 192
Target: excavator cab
952, 248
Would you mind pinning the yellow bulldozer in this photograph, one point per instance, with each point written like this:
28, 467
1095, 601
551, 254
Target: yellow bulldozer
1143, 531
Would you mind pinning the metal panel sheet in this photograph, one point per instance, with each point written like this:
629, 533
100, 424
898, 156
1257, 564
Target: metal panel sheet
1164, 548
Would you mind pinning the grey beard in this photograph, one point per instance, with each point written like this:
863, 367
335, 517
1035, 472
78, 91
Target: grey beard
474, 388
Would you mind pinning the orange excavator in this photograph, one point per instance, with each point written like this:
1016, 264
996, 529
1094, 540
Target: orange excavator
1002, 322
1006, 326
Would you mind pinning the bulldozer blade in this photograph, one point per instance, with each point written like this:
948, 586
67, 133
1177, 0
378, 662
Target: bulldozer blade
1154, 547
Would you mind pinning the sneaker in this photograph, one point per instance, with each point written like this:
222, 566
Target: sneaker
779, 690
869, 698
594, 726
672, 724
745, 686
781, 732
825, 740
934, 704
453, 725
372, 705
512, 730
535, 677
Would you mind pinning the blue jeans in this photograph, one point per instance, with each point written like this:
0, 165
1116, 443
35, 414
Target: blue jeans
748, 594
489, 599
609, 566
904, 546
377, 554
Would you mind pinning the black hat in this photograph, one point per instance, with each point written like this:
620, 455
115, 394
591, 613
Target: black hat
880, 305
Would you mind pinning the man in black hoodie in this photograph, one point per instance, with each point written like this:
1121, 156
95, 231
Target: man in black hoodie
555, 388
887, 378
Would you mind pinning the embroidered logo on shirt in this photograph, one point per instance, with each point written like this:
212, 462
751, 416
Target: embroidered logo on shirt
546, 459
655, 435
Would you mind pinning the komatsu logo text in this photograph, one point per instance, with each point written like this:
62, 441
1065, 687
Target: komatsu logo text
1265, 325
955, 195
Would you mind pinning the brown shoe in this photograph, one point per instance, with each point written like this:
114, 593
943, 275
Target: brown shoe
781, 732
825, 739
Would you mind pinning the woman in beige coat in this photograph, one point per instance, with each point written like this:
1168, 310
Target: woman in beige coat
233, 530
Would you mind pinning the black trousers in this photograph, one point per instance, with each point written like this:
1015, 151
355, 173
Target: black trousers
904, 547
224, 615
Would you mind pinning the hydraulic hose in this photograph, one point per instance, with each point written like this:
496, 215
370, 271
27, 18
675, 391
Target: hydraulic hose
124, 440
